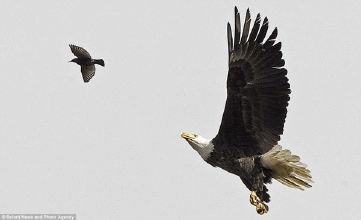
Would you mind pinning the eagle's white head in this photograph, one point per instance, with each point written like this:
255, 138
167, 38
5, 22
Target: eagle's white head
203, 146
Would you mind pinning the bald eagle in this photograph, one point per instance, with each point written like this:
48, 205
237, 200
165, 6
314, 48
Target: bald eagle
254, 115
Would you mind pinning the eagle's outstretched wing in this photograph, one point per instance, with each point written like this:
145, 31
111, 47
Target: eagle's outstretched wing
257, 89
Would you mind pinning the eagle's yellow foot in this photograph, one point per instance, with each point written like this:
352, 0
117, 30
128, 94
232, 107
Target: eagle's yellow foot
261, 208
254, 199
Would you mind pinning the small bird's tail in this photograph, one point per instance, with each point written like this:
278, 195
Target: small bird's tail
287, 168
100, 62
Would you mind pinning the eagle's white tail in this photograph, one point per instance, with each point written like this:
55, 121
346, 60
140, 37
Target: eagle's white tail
288, 168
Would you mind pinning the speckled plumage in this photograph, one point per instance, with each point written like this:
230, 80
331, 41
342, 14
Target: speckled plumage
85, 61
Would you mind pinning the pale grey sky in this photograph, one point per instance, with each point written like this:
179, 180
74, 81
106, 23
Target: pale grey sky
111, 149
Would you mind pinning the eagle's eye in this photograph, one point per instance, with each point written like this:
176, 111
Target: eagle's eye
195, 135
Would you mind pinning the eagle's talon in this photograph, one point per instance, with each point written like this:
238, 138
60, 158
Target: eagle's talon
254, 199
261, 208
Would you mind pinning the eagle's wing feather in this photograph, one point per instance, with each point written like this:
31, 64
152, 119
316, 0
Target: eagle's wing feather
257, 89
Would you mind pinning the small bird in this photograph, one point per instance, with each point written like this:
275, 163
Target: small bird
85, 61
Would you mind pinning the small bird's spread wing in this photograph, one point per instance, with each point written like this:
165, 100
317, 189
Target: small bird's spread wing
79, 52
88, 72
257, 89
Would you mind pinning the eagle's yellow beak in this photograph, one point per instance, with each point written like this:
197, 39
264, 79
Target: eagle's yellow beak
188, 136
